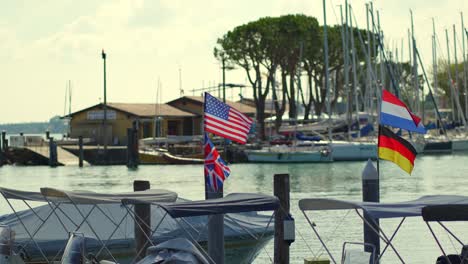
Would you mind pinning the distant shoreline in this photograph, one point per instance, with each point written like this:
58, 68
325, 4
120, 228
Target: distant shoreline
54, 126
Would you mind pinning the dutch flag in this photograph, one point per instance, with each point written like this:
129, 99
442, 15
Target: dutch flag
395, 113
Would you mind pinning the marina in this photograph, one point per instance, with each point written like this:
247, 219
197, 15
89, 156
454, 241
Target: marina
320, 133
433, 175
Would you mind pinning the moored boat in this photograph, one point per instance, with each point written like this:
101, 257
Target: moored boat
108, 227
286, 154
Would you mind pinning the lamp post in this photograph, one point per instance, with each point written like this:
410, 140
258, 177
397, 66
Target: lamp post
104, 122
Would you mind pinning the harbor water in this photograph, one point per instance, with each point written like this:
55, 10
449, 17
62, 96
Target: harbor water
444, 174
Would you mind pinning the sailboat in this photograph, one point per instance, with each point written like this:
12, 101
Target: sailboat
351, 150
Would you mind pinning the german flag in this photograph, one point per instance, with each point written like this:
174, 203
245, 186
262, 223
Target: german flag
396, 149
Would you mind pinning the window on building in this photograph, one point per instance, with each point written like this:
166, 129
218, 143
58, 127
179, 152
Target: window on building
172, 127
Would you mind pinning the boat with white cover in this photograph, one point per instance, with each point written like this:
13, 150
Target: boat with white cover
41, 232
432, 208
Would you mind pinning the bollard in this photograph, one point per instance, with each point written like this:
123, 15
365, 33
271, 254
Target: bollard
52, 153
80, 151
281, 190
142, 221
371, 193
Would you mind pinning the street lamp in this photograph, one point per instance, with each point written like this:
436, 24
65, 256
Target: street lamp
105, 105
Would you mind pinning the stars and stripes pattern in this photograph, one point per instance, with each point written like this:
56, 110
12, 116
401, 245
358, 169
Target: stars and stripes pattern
216, 169
225, 121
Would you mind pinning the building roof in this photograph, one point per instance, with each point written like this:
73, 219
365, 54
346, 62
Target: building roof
244, 108
147, 110
142, 109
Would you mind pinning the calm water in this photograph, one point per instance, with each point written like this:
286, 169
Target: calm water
432, 175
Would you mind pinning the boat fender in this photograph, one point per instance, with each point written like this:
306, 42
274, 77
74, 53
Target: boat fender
289, 229
325, 152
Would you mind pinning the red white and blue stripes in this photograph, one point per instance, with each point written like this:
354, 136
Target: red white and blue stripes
225, 121
395, 113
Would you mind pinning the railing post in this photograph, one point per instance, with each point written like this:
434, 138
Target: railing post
142, 221
281, 190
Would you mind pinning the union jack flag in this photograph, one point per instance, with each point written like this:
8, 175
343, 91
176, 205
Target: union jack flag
216, 169
225, 121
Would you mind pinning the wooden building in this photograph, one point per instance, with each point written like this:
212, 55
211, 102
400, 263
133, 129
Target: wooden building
180, 117
151, 119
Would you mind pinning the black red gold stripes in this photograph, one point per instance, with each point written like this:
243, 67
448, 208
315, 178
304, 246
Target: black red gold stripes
396, 149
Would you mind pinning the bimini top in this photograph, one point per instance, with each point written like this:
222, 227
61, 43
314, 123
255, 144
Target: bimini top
232, 203
85, 197
104, 198
384, 210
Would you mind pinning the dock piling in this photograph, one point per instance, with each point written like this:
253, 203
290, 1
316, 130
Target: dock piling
371, 193
281, 190
142, 221
80, 151
132, 147
2, 146
52, 153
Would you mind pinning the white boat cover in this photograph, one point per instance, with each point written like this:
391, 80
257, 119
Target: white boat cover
86, 197
383, 210
104, 198
231, 203
52, 236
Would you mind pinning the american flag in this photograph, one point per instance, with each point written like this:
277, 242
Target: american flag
225, 121
216, 170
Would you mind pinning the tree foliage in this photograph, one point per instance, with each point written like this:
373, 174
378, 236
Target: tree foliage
276, 51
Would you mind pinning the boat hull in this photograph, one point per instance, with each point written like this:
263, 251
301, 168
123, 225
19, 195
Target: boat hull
353, 151
460, 144
288, 157
438, 147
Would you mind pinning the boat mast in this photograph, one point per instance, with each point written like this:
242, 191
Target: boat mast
382, 70
452, 86
69, 97
434, 60
455, 79
415, 68
66, 96
464, 65
353, 49
369, 90
344, 42
325, 51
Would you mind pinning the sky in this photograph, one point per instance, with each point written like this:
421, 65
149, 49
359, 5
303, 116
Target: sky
44, 44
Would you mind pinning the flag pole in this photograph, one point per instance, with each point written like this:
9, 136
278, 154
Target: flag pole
215, 222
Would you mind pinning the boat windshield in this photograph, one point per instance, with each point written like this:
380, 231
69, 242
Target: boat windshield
74, 251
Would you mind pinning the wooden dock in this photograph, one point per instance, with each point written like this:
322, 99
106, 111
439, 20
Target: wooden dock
64, 157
